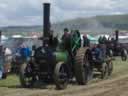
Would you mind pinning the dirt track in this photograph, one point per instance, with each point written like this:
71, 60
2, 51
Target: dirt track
112, 87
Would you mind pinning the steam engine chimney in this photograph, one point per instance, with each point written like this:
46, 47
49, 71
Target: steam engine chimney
46, 20
117, 35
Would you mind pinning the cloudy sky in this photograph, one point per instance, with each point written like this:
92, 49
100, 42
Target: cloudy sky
29, 12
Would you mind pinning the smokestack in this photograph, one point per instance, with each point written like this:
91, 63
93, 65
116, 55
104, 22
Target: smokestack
117, 35
46, 20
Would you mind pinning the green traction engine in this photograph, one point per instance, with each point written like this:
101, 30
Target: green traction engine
57, 64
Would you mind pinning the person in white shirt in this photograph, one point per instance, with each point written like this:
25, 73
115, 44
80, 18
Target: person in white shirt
7, 59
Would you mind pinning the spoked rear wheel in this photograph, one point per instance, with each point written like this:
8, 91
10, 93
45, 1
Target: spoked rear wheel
124, 55
61, 75
82, 67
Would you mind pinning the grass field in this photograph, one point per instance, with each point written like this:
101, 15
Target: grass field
11, 81
120, 68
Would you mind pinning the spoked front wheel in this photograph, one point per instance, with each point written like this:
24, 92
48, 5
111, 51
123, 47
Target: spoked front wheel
61, 75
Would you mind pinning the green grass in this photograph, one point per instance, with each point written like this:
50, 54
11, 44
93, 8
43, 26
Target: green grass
12, 81
120, 68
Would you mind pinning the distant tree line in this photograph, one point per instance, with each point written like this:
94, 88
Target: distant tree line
112, 25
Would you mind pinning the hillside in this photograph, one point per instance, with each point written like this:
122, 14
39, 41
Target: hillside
105, 23
97, 23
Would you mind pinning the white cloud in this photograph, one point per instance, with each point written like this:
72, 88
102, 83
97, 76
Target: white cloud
84, 4
29, 12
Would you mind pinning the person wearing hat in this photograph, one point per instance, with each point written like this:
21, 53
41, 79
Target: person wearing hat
96, 53
65, 39
66, 33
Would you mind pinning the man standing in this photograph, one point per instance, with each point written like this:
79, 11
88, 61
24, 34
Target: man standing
66, 33
25, 53
86, 41
7, 59
65, 39
2, 73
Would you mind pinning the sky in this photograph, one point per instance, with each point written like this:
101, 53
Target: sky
30, 12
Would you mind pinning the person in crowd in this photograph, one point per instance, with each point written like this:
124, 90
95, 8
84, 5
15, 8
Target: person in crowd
55, 42
96, 52
65, 39
100, 40
2, 75
25, 52
79, 36
104, 39
33, 50
66, 33
7, 59
86, 41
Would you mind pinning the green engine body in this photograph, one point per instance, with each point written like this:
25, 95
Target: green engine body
73, 42
61, 56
